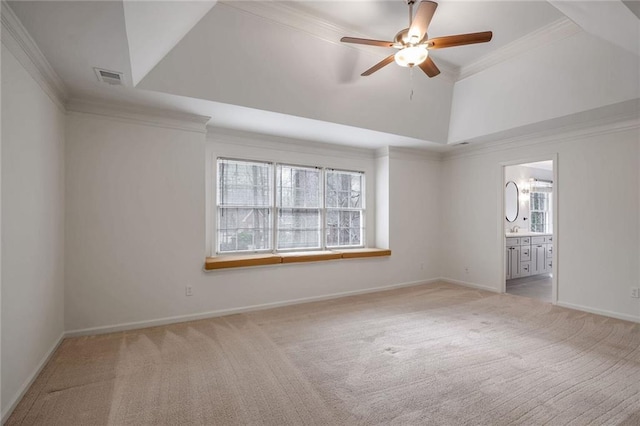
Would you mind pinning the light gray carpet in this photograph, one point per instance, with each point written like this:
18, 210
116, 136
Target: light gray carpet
434, 354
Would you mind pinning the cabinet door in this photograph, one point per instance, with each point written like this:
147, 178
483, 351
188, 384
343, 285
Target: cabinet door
538, 259
514, 262
507, 263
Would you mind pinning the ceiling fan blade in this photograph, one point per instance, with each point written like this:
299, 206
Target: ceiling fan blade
429, 67
386, 61
459, 40
367, 41
422, 19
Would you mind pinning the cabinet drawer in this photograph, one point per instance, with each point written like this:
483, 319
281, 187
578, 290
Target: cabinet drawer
525, 253
525, 241
513, 242
549, 265
538, 240
548, 239
549, 251
525, 269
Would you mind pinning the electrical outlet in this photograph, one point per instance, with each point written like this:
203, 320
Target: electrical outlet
635, 292
466, 270
188, 290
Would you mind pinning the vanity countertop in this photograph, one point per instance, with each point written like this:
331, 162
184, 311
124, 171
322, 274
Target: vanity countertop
526, 234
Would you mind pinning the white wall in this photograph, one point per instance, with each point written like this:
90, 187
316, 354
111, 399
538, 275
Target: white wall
136, 234
597, 239
276, 68
521, 175
32, 227
576, 74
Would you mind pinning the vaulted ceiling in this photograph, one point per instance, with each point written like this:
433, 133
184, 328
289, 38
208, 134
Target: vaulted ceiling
279, 67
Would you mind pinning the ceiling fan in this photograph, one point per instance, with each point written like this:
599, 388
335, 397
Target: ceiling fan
414, 44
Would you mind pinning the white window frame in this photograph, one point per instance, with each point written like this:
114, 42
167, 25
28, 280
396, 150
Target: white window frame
274, 208
548, 212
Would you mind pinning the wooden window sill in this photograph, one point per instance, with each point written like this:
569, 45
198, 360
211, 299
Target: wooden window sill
364, 252
309, 256
221, 262
241, 261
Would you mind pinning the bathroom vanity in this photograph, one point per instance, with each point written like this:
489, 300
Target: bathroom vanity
528, 253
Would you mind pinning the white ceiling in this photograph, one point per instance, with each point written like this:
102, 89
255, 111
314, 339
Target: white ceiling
509, 20
134, 36
154, 28
76, 36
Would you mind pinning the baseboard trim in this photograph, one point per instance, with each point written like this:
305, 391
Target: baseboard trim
221, 312
27, 384
602, 312
469, 284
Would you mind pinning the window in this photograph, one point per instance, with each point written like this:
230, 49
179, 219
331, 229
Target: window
264, 207
540, 206
344, 209
244, 206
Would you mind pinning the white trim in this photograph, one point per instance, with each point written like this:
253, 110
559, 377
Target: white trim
470, 284
401, 153
140, 114
218, 135
27, 384
540, 38
292, 17
603, 312
17, 39
613, 125
556, 223
222, 312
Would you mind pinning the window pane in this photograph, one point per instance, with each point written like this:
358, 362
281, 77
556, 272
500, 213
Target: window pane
344, 228
344, 189
298, 186
243, 229
244, 183
299, 228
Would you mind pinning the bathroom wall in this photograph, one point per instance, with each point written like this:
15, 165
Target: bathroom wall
521, 175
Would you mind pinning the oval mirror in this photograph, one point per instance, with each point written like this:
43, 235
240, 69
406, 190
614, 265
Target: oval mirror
511, 201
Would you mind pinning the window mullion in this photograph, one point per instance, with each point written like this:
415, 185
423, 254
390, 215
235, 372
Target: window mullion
323, 209
274, 208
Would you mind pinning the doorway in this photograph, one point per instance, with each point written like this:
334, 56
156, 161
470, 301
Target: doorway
529, 226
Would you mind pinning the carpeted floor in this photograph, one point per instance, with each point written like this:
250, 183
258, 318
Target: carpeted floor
426, 355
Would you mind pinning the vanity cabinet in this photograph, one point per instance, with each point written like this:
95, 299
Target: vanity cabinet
528, 255
513, 261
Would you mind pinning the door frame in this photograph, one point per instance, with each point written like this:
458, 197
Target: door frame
556, 224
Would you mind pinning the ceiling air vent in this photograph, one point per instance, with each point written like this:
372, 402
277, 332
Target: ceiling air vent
110, 77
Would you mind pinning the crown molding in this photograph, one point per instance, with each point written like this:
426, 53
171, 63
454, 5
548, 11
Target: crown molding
543, 36
414, 154
16, 38
140, 114
292, 17
219, 135
605, 126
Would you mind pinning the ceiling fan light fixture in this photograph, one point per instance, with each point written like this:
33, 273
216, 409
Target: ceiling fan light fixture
411, 56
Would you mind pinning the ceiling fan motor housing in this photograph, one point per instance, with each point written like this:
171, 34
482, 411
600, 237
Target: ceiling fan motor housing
404, 39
